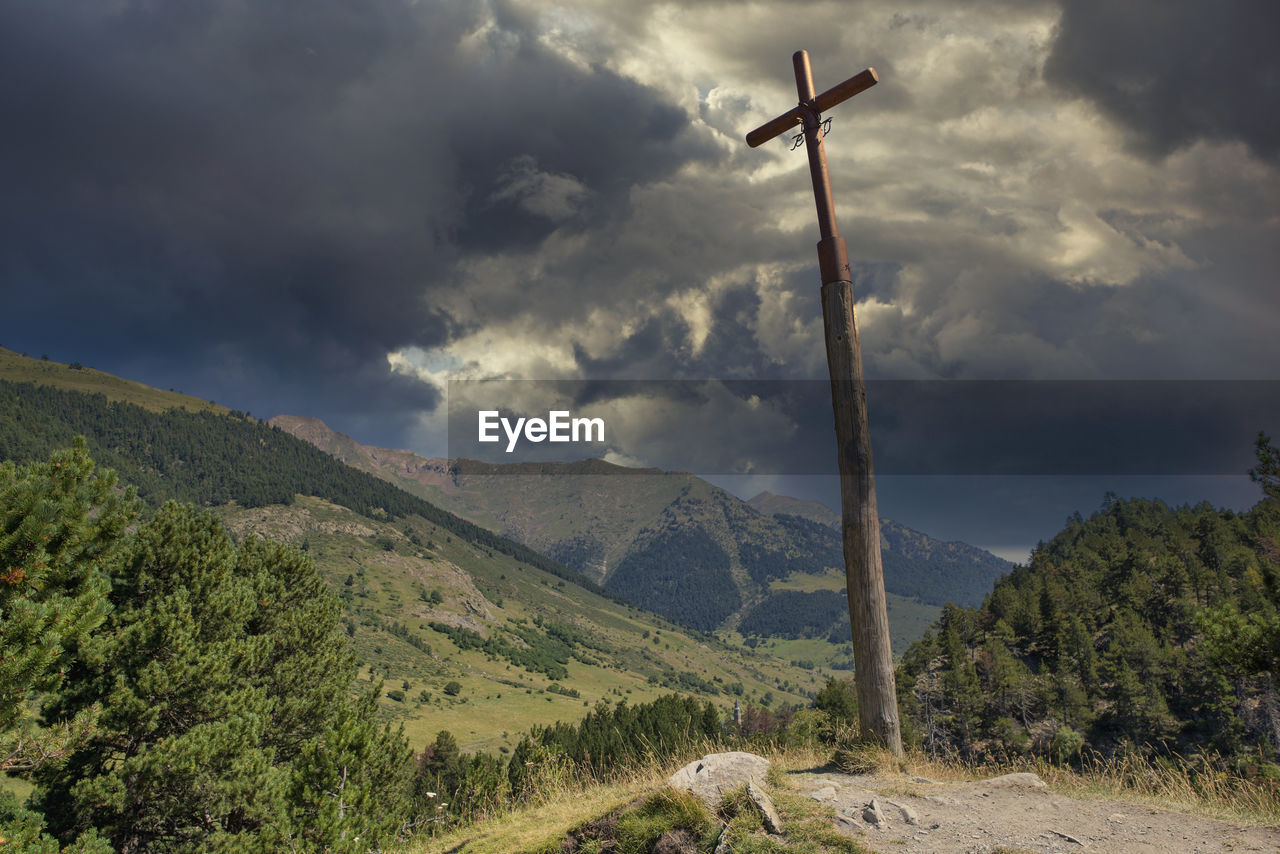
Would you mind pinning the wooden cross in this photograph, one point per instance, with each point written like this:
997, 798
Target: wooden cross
864, 575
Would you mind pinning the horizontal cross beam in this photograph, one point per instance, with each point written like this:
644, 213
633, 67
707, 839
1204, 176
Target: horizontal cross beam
838, 94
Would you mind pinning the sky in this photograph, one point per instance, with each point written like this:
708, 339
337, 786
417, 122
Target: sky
337, 209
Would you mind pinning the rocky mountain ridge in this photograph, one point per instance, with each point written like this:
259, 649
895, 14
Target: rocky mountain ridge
670, 541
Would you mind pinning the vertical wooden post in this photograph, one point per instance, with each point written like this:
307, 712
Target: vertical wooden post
864, 575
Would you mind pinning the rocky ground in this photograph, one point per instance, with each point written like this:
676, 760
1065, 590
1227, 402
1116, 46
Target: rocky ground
1014, 814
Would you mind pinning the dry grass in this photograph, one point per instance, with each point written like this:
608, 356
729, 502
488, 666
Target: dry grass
562, 804
537, 826
867, 759
1190, 785
571, 802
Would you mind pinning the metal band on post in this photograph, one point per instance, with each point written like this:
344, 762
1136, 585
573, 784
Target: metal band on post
833, 260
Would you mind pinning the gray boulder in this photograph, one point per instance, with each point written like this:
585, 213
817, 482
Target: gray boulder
716, 773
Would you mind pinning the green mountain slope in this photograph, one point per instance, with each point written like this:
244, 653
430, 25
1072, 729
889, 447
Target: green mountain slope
938, 572
815, 511
470, 631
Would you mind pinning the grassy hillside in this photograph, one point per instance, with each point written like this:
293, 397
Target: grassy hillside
685, 548
18, 368
386, 572
431, 599
815, 511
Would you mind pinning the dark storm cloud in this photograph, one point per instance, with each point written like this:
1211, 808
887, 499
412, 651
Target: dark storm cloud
1175, 72
193, 176
222, 185
659, 347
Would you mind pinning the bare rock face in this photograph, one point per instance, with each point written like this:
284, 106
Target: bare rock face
716, 773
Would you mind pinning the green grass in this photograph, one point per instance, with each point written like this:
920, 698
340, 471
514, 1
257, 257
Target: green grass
802, 582
909, 618
499, 701
19, 787
668, 810
21, 369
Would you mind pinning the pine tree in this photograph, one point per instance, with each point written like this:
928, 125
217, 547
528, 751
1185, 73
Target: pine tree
839, 699
350, 788
222, 676
59, 525
1267, 472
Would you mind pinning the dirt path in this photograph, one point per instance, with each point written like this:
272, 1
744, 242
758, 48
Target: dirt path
1016, 813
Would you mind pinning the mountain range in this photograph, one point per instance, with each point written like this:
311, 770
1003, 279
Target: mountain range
676, 544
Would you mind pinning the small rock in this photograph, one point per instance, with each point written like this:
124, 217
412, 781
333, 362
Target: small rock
826, 793
873, 815
908, 814
1117, 817
1066, 836
722, 845
768, 812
